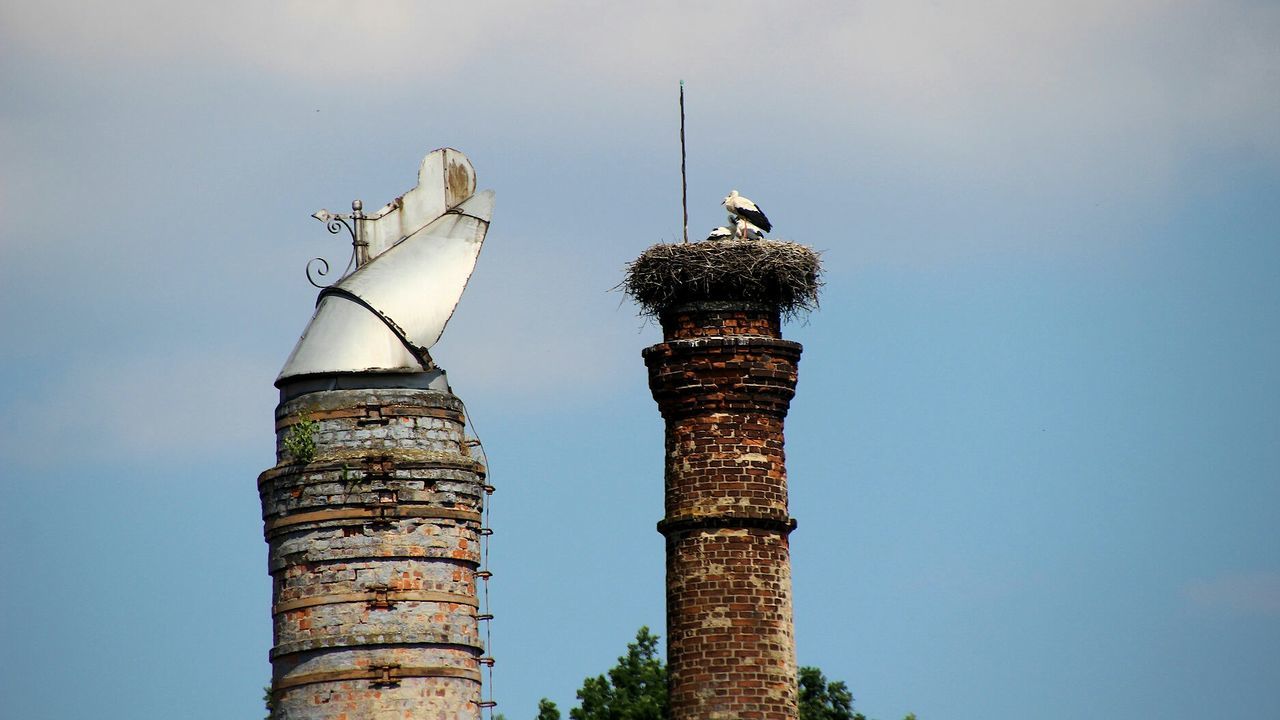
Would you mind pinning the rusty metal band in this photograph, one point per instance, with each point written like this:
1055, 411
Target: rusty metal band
306, 475
337, 465
355, 460
373, 596
387, 513
277, 562
361, 412
374, 674
679, 525
355, 641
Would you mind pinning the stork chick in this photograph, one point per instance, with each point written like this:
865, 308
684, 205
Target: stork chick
721, 233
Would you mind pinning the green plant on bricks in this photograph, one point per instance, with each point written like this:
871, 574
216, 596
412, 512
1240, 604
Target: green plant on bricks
300, 443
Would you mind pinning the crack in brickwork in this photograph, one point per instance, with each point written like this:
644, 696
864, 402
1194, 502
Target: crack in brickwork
723, 380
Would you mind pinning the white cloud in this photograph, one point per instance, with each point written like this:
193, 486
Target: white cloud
1041, 76
1018, 117
1042, 98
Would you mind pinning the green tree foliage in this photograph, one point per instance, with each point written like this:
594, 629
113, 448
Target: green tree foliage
547, 710
823, 700
636, 689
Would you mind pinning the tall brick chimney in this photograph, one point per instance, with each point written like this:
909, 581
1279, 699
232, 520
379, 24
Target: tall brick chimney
723, 379
374, 510
374, 555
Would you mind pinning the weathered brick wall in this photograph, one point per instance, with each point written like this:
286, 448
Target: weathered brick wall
723, 380
374, 549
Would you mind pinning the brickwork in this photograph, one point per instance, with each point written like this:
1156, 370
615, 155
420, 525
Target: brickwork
374, 548
708, 319
723, 380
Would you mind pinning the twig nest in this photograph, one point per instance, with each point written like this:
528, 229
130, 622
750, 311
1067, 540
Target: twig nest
769, 272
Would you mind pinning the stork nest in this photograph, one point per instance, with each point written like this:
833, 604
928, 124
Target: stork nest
769, 272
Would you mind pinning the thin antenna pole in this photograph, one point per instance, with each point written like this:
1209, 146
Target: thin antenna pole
684, 183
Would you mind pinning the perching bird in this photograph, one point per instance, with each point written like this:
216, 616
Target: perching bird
744, 208
721, 233
744, 230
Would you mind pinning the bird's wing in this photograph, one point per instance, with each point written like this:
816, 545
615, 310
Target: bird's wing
753, 215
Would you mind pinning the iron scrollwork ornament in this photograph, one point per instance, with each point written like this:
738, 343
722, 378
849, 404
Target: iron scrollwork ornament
336, 223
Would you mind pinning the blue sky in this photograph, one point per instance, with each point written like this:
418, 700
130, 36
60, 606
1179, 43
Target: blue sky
1035, 450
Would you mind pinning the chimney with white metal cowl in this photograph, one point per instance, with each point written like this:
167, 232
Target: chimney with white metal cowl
374, 511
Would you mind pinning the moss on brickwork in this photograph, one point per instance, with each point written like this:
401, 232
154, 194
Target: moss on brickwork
769, 272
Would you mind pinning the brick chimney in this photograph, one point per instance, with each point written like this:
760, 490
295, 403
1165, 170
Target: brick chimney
374, 510
723, 379
374, 555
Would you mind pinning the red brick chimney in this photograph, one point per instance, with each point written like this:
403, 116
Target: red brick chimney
723, 379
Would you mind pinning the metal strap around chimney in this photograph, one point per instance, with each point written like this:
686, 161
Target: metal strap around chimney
381, 464
375, 512
686, 523
377, 597
378, 675
371, 411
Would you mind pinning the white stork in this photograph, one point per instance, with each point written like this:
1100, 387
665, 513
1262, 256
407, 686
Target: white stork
721, 233
746, 210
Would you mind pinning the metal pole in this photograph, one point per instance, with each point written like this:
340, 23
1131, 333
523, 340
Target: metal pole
684, 183
362, 245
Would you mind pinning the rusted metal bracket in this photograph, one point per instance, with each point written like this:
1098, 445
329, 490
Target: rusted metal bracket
381, 598
373, 415
385, 680
484, 616
379, 466
484, 574
384, 513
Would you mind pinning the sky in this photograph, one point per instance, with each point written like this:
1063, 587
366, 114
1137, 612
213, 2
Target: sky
1035, 448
